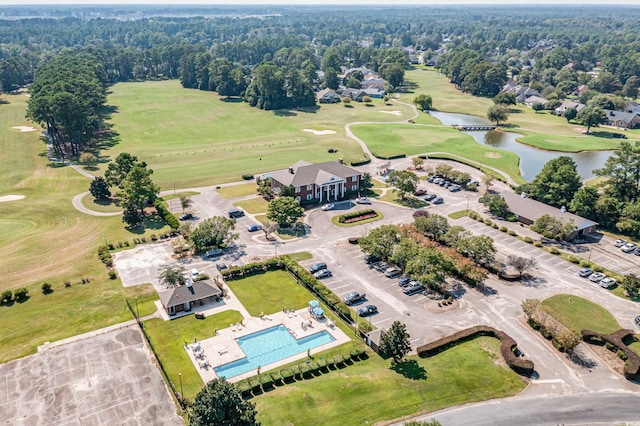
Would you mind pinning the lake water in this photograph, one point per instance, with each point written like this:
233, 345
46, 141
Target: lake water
531, 159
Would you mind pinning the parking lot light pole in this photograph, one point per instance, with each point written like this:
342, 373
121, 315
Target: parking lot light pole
590, 250
181, 393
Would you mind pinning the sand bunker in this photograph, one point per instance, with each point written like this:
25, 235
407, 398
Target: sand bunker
319, 132
11, 198
396, 112
25, 128
493, 155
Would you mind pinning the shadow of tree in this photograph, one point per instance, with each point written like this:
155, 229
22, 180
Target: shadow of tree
284, 113
410, 369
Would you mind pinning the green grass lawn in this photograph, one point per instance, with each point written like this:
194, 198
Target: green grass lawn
253, 205
388, 140
67, 312
100, 206
578, 314
182, 133
369, 391
269, 293
409, 201
168, 338
300, 256
179, 194
235, 191
459, 214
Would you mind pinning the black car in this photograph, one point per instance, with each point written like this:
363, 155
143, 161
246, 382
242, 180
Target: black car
221, 266
380, 266
367, 310
404, 280
370, 258
186, 216
438, 200
236, 213
638, 320
317, 267
353, 297
430, 197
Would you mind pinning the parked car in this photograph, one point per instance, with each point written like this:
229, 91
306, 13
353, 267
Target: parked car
638, 320
438, 200
194, 273
619, 243
380, 266
420, 192
393, 272
473, 182
353, 297
455, 188
221, 266
438, 181
323, 273
363, 200
367, 310
213, 253
628, 248
637, 251
404, 280
317, 267
430, 197
413, 287
585, 272
186, 216
253, 228
236, 213
430, 178
370, 258
607, 282
328, 207
597, 277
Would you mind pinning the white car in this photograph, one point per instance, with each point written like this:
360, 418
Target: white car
363, 200
194, 273
596, 277
628, 248
619, 243
328, 207
607, 282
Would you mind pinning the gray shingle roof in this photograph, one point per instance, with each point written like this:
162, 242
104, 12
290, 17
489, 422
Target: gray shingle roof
532, 209
307, 174
182, 294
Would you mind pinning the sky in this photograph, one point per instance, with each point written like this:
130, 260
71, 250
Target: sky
321, 2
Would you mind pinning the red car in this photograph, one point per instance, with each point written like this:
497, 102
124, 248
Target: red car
420, 192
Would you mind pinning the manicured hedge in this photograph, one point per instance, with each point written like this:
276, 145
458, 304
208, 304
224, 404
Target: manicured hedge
168, 217
507, 346
360, 163
252, 269
632, 364
359, 214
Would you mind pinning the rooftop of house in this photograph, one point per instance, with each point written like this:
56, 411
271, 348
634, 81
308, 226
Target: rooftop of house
189, 293
532, 209
304, 173
619, 115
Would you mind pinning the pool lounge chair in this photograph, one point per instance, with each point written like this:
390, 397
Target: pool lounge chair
222, 350
233, 327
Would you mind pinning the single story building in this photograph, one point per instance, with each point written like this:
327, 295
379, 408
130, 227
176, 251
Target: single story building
569, 104
184, 297
328, 96
531, 100
324, 182
528, 210
622, 119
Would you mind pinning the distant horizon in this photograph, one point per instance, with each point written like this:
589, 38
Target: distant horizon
376, 3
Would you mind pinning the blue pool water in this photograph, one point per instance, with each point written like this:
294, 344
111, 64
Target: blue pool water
268, 346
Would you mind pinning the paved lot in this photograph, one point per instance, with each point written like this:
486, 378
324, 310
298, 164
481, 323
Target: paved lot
107, 379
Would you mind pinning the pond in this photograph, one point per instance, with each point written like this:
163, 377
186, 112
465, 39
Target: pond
531, 159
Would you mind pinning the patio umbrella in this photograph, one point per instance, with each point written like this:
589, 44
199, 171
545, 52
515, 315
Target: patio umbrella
314, 303
318, 312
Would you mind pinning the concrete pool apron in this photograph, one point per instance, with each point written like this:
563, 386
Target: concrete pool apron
223, 348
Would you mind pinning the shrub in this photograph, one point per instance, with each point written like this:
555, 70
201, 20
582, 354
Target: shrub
6, 297
621, 355
365, 327
357, 215
545, 333
353, 240
609, 346
202, 277
537, 243
512, 232
494, 225
574, 259
164, 212
487, 221
46, 288
554, 251
21, 294
471, 215
112, 275
503, 229
511, 217
534, 324
598, 268
528, 240
247, 176
585, 263
67, 284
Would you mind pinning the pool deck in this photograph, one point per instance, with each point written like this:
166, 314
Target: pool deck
222, 348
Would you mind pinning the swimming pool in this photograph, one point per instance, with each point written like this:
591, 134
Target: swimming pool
268, 346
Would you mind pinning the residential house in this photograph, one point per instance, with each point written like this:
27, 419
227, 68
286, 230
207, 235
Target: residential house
376, 83
528, 210
327, 96
320, 183
569, 104
355, 94
622, 119
525, 92
183, 298
532, 100
374, 92
633, 107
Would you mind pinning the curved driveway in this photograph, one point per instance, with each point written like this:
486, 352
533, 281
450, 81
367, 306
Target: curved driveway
77, 203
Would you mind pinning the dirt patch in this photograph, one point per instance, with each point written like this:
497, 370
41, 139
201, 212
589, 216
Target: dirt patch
432, 306
611, 358
395, 112
320, 132
493, 155
6, 198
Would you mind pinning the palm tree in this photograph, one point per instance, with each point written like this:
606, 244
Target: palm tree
171, 275
185, 202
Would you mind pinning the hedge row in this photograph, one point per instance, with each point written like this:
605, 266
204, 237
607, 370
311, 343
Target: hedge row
507, 346
389, 157
168, 217
355, 214
616, 340
105, 256
361, 163
252, 269
266, 382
